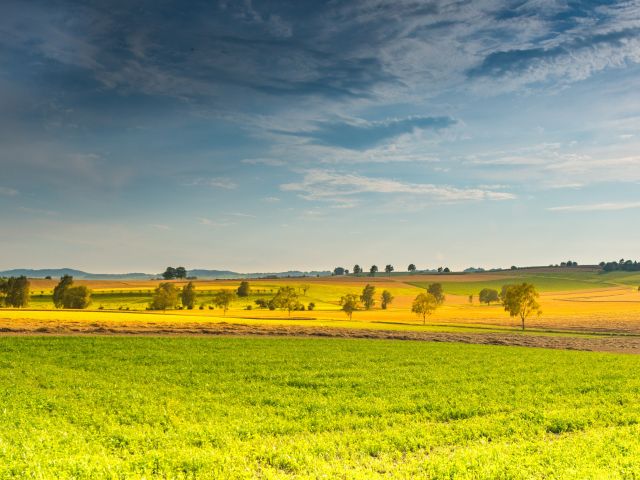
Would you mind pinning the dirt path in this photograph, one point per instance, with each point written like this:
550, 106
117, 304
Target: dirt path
618, 344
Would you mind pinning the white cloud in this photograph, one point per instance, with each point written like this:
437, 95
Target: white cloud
325, 185
596, 207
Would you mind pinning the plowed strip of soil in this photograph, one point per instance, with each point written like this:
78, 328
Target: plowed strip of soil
617, 344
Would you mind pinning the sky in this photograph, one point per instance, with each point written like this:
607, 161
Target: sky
270, 135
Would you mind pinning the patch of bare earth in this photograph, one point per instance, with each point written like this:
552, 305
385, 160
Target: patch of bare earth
610, 343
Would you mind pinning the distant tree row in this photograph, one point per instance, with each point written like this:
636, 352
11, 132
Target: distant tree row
623, 265
357, 270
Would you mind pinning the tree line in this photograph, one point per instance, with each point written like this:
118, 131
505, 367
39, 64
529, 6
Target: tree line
622, 265
373, 269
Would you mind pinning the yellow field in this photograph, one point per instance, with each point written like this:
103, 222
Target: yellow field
609, 307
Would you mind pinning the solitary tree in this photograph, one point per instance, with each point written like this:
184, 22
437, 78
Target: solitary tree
181, 272
17, 292
286, 298
349, 304
305, 288
521, 301
357, 269
169, 273
386, 299
388, 269
164, 296
373, 270
243, 290
436, 290
488, 295
338, 271
470, 298
58, 291
188, 295
223, 298
367, 297
424, 305
78, 296
411, 268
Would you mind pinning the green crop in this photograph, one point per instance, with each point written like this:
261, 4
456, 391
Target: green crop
89, 407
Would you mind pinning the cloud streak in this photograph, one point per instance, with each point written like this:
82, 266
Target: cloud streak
334, 187
596, 207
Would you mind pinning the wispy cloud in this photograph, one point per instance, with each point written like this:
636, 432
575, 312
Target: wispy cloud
215, 182
596, 207
9, 192
330, 186
213, 223
360, 134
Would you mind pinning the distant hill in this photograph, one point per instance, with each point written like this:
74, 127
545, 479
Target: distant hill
199, 273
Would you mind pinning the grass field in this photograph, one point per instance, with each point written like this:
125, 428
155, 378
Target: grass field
284, 408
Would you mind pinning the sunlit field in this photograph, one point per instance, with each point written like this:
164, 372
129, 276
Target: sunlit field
87, 407
584, 301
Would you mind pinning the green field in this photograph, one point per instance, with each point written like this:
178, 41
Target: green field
314, 408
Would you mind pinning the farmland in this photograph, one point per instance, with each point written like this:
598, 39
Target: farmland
118, 391
276, 408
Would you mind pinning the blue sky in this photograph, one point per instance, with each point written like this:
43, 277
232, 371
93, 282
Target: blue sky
269, 135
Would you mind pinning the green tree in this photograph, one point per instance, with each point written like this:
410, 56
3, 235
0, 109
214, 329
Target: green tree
244, 290
386, 299
188, 295
388, 269
373, 270
286, 299
181, 272
349, 304
223, 298
368, 296
424, 305
488, 295
4, 287
521, 301
357, 269
169, 273
164, 296
17, 292
78, 296
58, 291
436, 290
411, 268
339, 271
305, 288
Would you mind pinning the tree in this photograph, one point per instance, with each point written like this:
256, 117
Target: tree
17, 292
243, 290
357, 269
439, 269
4, 287
181, 272
169, 273
78, 296
367, 297
164, 296
338, 271
471, 298
411, 268
424, 305
188, 295
373, 270
488, 295
286, 299
388, 269
349, 304
65, 282
386, 299
223, 298
305, 288
436, 290
446, 270
521, 301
